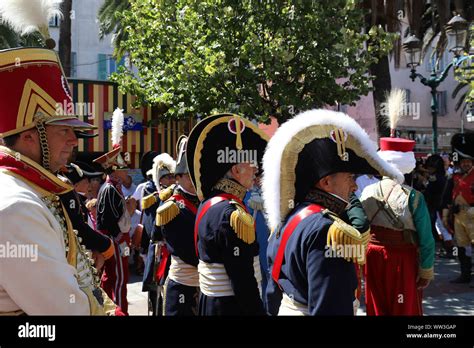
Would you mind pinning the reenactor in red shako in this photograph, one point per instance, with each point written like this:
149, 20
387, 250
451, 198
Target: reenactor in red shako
58, 276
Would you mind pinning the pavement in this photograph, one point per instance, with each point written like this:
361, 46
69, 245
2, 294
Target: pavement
440, 298
137, 299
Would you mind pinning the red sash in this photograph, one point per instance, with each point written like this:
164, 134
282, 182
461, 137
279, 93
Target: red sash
180, 199
164, 252
205, 208
287, 232
161, 269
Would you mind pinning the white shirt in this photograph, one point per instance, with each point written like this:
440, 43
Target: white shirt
135, 221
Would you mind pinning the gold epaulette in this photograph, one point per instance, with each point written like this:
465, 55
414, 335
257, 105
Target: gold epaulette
346, 240
166, 212
167, 193
148, 201
242, 223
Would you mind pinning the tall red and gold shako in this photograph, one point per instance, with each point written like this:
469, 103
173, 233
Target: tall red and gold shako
33, 89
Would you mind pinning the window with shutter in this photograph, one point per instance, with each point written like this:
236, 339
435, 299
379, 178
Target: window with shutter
111, 64
102, 67
442, 97
407, 95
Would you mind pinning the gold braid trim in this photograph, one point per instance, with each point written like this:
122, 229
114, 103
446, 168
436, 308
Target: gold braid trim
45, 155
242, 223
346, 241
232, 187
166, 212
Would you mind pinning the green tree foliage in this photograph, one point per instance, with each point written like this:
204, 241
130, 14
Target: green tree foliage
464, 74
258, 58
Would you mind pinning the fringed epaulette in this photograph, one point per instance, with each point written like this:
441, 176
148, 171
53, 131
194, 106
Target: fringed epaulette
242, 223
148, 201
166, 212
167, 193
346, 241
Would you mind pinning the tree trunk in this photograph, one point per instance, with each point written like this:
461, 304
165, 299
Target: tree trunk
382, 85
65, 37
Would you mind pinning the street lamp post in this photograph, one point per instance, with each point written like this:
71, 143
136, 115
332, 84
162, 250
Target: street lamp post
456, 30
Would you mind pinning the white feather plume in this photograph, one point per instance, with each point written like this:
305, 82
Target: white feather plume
117, 126
396, 100
160, 161
27, 16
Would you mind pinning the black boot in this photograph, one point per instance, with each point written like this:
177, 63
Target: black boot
465, 262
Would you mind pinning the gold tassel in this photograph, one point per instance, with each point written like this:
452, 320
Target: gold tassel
243, 225
148, 201
349, 239
166, 212
166, 193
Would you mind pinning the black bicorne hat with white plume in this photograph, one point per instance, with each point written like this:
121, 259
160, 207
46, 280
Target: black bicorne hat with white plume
163, 164
309, 147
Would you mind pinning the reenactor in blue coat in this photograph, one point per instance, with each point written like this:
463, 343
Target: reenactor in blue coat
176, 217
162, 174
224, 151
309, 168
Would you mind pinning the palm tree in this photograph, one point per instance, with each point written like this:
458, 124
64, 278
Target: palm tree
385, 14
10, 39
109, 23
